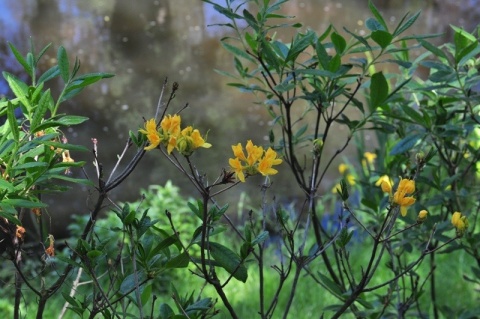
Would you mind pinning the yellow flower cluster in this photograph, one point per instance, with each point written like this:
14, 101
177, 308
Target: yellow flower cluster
257, 161
460, 223
405, 187
170, 134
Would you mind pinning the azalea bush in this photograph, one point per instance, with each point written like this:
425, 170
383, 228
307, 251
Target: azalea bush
367, 240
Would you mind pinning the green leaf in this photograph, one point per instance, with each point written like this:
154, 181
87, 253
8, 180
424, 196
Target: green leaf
338, 42
179, 261
260, 238
63, 64
20, 59
51, 73
12, 122
29, 165
128, 284
92, 254
165, 311
16, 202
71, 300
250, 20
330, 285
69, 120
406, 144
335, 63
322, 55
165, 243
414, 115
200, 305
226, 12
373, 25
403, 27
6, 147
377, 15
41, 109
19, 88
299, 45
4, 185
432, 48
8, 212
237, 52
382, 38
359, 38
378, 90
229, 260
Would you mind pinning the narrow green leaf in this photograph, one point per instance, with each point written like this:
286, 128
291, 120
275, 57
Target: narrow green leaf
128, 284
227, 12
71, 300
20, 59
63, 64
12, 121
16, 202
179, 261
69, 120
6, 147
299, 45
51, 73
331, 285
42, 52
29, 165
359, 38
403, 27
260, 238
414, 115
406, 144
250, 20
19, 88
322, 55
229, 260
377, 15
237, 52
41, 109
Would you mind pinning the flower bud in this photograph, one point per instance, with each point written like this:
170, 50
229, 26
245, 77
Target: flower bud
422, 215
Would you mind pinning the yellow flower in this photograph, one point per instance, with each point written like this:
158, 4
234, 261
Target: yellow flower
342, 168
256, 161
336, 188
370, 157
171, 124
385, 183
350, 179
460, 223
406, 186
238, 152
237, 168
170, 131
266, 163
189, 140
152, 134
422, 215
254, 153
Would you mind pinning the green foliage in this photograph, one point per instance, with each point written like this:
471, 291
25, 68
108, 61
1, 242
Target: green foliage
360, 246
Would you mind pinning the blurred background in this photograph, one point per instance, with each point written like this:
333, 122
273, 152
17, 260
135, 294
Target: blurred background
143, 42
